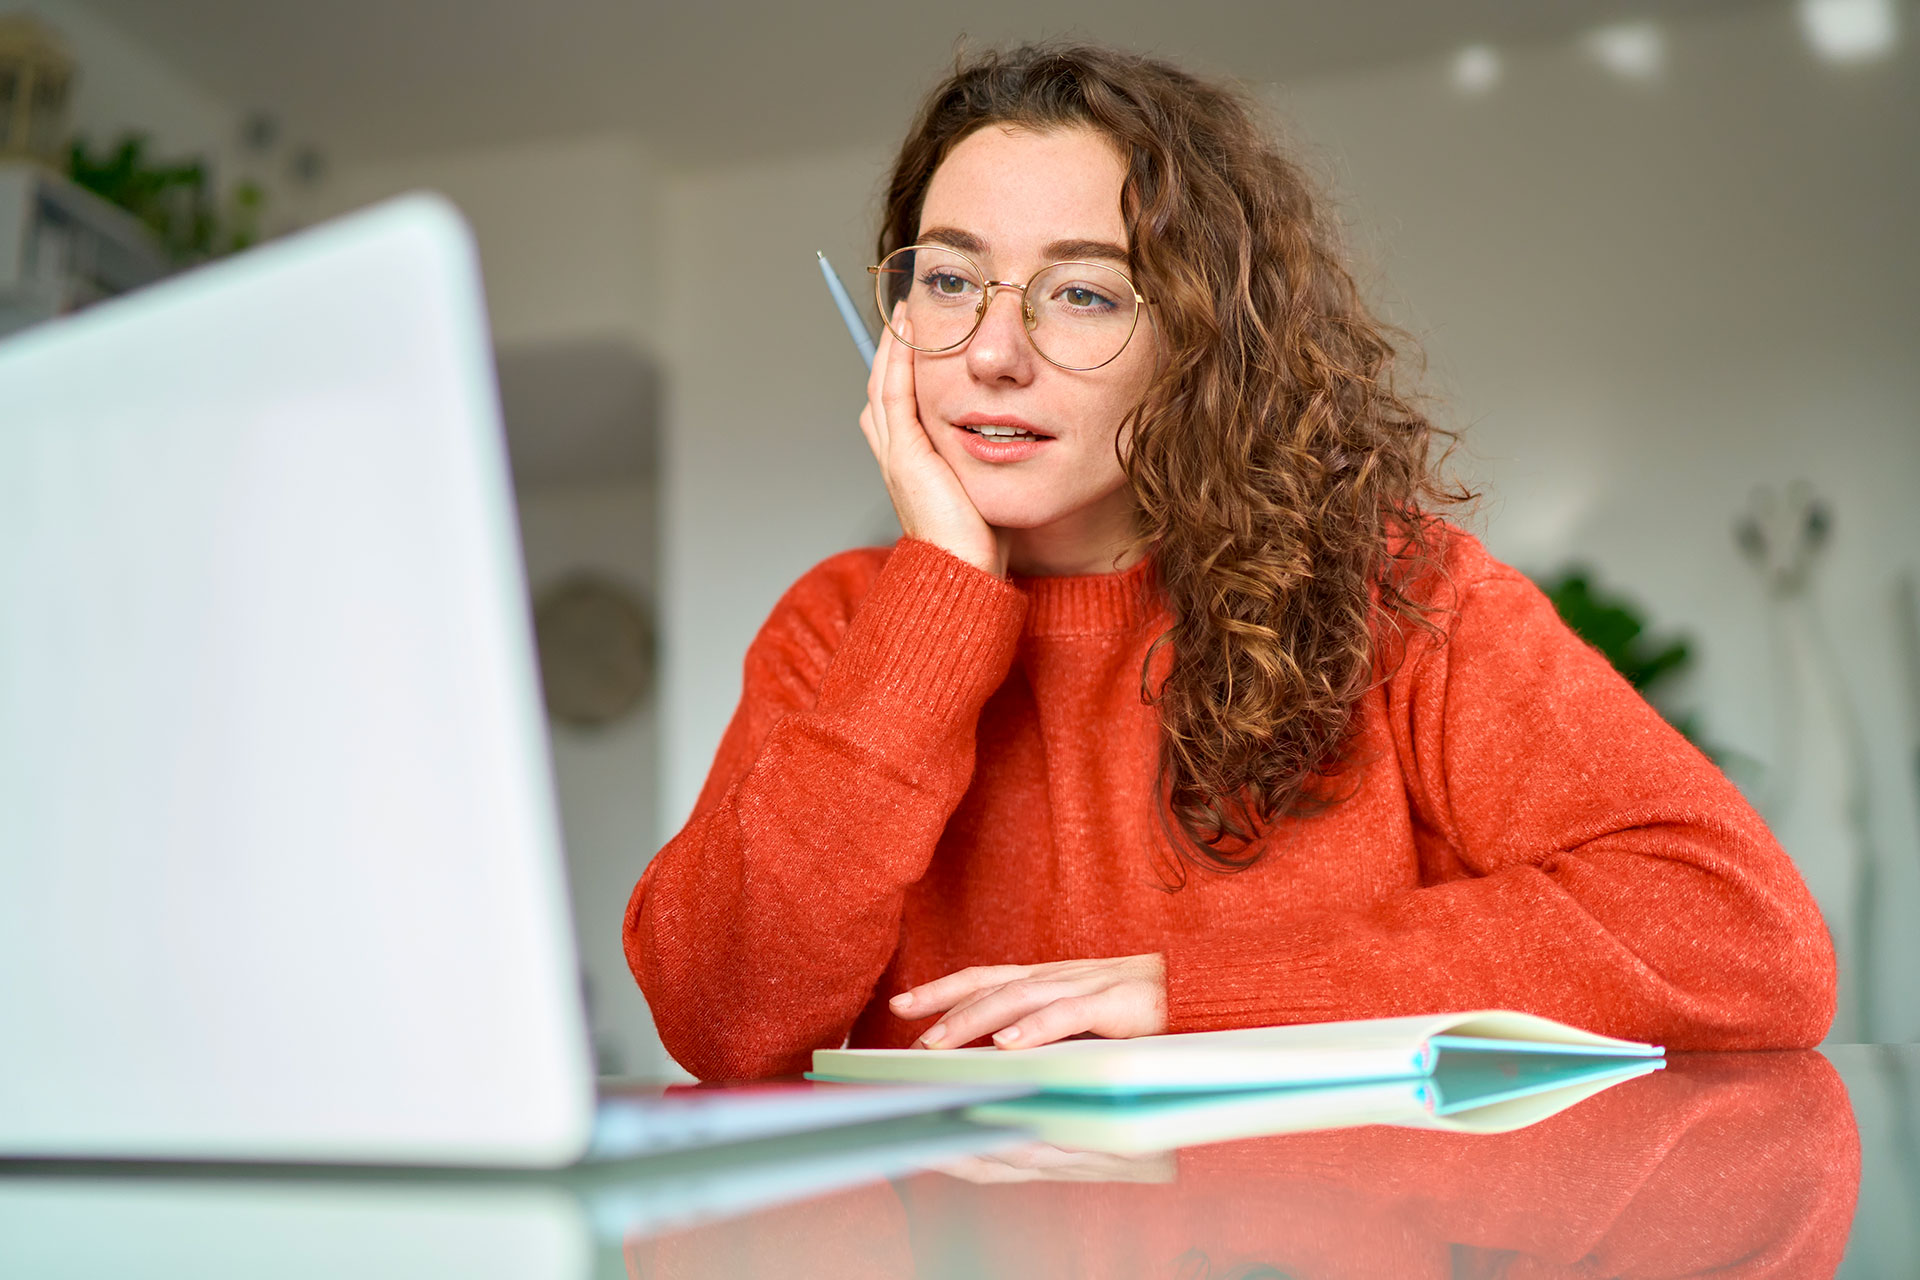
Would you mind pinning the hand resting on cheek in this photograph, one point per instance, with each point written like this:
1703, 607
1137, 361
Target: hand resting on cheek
931, 503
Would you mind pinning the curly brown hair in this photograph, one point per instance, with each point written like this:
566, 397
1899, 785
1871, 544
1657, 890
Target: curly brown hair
1285, 489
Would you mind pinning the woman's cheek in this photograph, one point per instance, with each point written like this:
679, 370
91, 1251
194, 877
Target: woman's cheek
926, 395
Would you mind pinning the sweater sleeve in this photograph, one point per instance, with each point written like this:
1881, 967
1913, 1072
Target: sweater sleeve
1581, 860
758, 932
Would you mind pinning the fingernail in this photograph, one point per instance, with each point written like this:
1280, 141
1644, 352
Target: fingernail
1007, 1036
902, 1001
933, 1037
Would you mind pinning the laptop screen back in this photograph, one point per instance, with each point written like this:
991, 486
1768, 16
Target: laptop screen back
279, 864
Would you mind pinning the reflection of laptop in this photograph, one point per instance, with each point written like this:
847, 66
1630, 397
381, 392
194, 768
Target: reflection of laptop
184, 1222
280, 871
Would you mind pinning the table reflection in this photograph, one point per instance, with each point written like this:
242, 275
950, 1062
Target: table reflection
1737, 1165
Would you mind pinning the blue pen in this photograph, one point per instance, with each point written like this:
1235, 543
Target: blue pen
848, 312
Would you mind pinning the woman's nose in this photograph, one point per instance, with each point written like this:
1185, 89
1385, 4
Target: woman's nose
1000, 349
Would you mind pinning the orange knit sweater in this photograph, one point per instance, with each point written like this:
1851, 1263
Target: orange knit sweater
932, 768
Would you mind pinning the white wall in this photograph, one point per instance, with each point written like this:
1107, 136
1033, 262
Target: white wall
606, 776
1641, 299
570, 231
766, 472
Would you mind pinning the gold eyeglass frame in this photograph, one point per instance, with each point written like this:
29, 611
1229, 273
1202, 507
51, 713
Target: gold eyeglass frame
1029, 321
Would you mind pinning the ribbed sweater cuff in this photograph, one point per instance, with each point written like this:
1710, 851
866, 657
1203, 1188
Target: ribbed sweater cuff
1220, 983
934, 637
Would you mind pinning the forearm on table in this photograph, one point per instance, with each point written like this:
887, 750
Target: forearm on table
1656, 935
758, 932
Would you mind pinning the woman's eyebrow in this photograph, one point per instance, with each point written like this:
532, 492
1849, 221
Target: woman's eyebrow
954, 238
1081, 250
1058, 251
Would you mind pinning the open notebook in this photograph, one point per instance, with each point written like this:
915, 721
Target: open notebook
1321, 1053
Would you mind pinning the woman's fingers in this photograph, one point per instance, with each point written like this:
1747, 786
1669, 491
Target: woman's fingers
874, 416
1058, 1019
943, 993
987, 1010
927, 495
994, 1011
896, 397
1021, 1006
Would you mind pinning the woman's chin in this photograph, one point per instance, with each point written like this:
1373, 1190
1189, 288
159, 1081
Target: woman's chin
1011, 511
1027, 497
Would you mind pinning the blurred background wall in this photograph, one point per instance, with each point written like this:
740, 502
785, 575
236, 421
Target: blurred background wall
1660, 257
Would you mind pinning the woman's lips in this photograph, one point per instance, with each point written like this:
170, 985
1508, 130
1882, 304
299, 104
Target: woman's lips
1004, 420
990, 450
988, 437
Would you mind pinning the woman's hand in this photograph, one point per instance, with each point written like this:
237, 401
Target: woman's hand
1042, 1162
927, 495
1022, 1005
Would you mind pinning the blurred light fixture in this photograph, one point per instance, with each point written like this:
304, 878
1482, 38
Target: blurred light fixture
1850, 30
1630, 50
1476, 68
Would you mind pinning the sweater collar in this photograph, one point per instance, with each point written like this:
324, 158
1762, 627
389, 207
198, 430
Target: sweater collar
1090, 603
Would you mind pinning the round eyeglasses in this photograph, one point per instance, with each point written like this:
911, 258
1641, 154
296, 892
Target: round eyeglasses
1078, 315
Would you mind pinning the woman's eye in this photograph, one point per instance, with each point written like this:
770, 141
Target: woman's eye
946, 283
1083, 298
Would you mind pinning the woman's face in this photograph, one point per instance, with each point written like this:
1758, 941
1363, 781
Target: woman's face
1014, 201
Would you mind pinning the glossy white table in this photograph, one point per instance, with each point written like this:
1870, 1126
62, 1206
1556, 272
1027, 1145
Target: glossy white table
1791, 1164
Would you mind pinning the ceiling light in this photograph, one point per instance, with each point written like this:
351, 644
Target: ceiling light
1850, 30
1476, 69
1631, 50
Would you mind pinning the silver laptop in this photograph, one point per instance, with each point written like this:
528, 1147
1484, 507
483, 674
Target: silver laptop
280, 870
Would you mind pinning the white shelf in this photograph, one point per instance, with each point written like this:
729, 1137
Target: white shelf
62, 247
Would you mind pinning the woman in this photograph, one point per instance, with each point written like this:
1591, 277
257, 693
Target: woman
1177, 708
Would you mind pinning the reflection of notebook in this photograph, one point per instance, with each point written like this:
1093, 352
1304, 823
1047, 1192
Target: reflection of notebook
1256, 1057
1490, 1093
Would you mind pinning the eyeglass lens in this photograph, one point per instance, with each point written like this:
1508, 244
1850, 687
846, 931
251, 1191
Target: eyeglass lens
1079, 314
